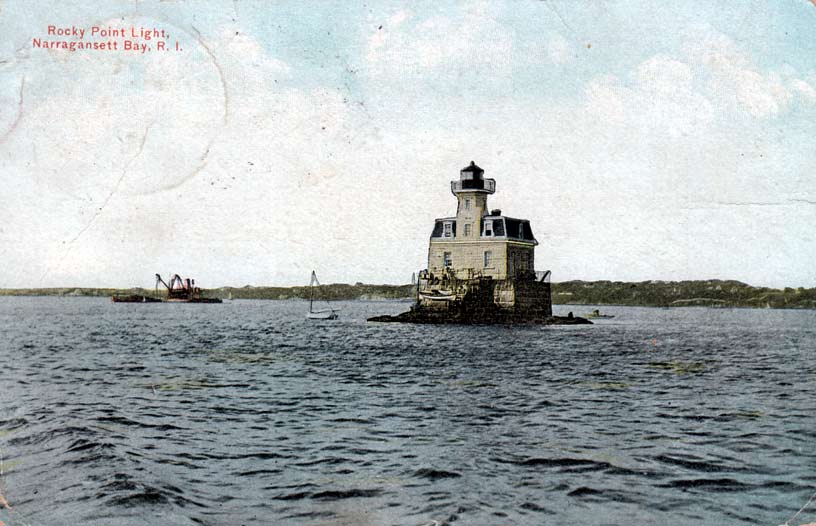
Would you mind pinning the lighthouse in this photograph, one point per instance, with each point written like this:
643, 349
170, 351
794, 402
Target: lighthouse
478, 242
481, 266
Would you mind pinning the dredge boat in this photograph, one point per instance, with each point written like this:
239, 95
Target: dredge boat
178, 291
183, 291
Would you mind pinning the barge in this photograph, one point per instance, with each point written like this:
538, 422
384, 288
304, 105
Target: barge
134, 298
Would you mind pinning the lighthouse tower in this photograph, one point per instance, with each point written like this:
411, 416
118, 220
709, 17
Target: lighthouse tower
471, 190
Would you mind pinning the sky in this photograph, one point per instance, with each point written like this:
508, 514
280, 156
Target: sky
643, 142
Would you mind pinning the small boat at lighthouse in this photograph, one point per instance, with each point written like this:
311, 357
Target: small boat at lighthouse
597, 314
437, 295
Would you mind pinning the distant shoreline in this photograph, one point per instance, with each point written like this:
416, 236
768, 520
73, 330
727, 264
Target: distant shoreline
705, 293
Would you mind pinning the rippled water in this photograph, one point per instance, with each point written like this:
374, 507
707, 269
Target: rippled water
246, 413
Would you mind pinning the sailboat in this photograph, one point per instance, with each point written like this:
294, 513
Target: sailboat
325, 314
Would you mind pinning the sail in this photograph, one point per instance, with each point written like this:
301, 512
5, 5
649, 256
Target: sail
324, 314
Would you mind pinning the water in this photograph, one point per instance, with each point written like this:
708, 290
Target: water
246, 413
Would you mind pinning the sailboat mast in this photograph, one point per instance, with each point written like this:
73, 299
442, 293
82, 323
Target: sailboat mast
311, 291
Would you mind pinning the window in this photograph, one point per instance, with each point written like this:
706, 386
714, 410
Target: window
488, 258
467, 204
448, 230
498, 227
467, 229
521, 230
446, 259
488, 228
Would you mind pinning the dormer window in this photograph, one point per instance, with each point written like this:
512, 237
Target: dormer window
521, 231
448, 230
488, 228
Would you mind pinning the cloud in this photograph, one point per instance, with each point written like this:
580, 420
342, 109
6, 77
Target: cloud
804, 90
560, 51
684, 94
732, 77
408, 45
659, 100
246, 51
608, 98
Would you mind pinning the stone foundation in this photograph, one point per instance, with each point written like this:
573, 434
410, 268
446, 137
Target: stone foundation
486, 301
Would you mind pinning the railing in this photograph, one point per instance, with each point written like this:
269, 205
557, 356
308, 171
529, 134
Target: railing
488, 185
543, 275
